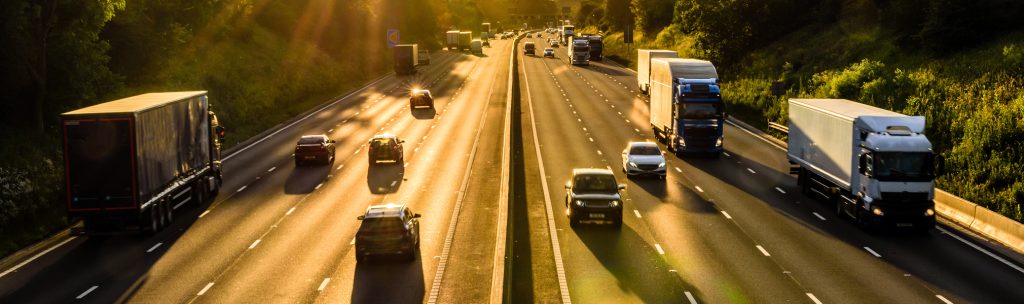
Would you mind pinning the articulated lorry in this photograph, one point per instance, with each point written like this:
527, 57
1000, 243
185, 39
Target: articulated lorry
643, 66
579, 53
485, 30
687, 111
406, 58
596, 47
452, 40
129, 163
465, 39
875, 165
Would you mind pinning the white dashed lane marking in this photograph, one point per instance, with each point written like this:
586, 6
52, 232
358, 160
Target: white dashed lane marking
726, 214
765, 252
819, 216
872, 252
79, 297
780, 190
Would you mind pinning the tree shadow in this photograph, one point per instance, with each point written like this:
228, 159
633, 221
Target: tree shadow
385, 178
388, 280
304, 179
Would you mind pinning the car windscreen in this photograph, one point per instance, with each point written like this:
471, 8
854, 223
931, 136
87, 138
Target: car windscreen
382, 225
591, 183
310, 140
644, 150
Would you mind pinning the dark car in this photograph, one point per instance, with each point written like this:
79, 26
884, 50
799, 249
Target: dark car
389, 229
314, 148
386, 148
593, 195
529, 48
421, 98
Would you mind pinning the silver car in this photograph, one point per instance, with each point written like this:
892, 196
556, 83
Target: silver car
643, 158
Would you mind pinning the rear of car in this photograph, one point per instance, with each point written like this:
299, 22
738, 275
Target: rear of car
385, 148
529, 48
388, 230
314, 148
421, 99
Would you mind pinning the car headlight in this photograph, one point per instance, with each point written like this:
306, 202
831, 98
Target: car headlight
632, 164
682, 142
877, 211
929, 212
661, 165
614, 203
719, 142
579, 203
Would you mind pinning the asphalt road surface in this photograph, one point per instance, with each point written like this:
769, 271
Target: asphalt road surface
728, 230
284, 234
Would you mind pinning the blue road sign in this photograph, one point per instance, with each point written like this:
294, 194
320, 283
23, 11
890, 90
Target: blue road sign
392, 37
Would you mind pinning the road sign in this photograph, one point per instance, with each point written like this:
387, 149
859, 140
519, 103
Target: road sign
392, 37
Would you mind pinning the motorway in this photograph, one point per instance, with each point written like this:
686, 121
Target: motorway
728, 230
282, 234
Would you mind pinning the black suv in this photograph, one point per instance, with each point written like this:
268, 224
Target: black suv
388, 230
593, 195
386, 148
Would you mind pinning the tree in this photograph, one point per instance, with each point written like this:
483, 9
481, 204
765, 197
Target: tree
652, 15
617, 14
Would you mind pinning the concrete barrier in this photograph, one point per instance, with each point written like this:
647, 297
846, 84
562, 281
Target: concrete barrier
955, 208
1000, 228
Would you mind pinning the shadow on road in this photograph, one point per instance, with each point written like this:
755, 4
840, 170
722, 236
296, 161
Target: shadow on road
424, 113
634, 263
385, 178
303, 179
388, 280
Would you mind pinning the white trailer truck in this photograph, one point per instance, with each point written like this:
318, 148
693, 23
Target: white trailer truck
643, 66
452, 39
875, 165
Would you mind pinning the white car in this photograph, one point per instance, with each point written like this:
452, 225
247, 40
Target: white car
643, 158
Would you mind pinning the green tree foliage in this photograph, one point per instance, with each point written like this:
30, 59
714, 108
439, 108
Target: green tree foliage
652, 15
617, 14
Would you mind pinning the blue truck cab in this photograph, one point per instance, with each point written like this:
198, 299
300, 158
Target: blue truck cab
699, 116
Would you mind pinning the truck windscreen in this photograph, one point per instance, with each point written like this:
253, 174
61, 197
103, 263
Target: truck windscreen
903, 166
702, 110
99, 164
580, 49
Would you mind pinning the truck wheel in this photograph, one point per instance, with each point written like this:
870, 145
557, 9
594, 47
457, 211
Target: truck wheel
152, 221
169, 213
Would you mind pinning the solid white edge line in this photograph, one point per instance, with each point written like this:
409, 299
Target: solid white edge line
763, 251
552, 232
333, 103
435, 288
689, 296
943, 299
205, 289
34, 257
813, 298
323, 284
154, 247
872, 252
819, 216
660, 250
726, 214
972, 245
79, 297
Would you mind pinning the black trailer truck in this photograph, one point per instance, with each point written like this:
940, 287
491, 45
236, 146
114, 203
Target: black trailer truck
131, 162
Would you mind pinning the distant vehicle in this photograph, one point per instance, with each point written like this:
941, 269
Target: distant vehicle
528, 35
316, 148
424, 57
485, 30
596, 46
566, 33
529, 48
687, 111
476, 47
593, 195
386, 148
643, 158
452, 39
405, 59
643, 66
549, 52
875, 165
389, 229
465, 38
553, 43
421, 99
130, 162
579, 53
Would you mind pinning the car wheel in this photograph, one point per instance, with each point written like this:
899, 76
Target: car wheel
168, 213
